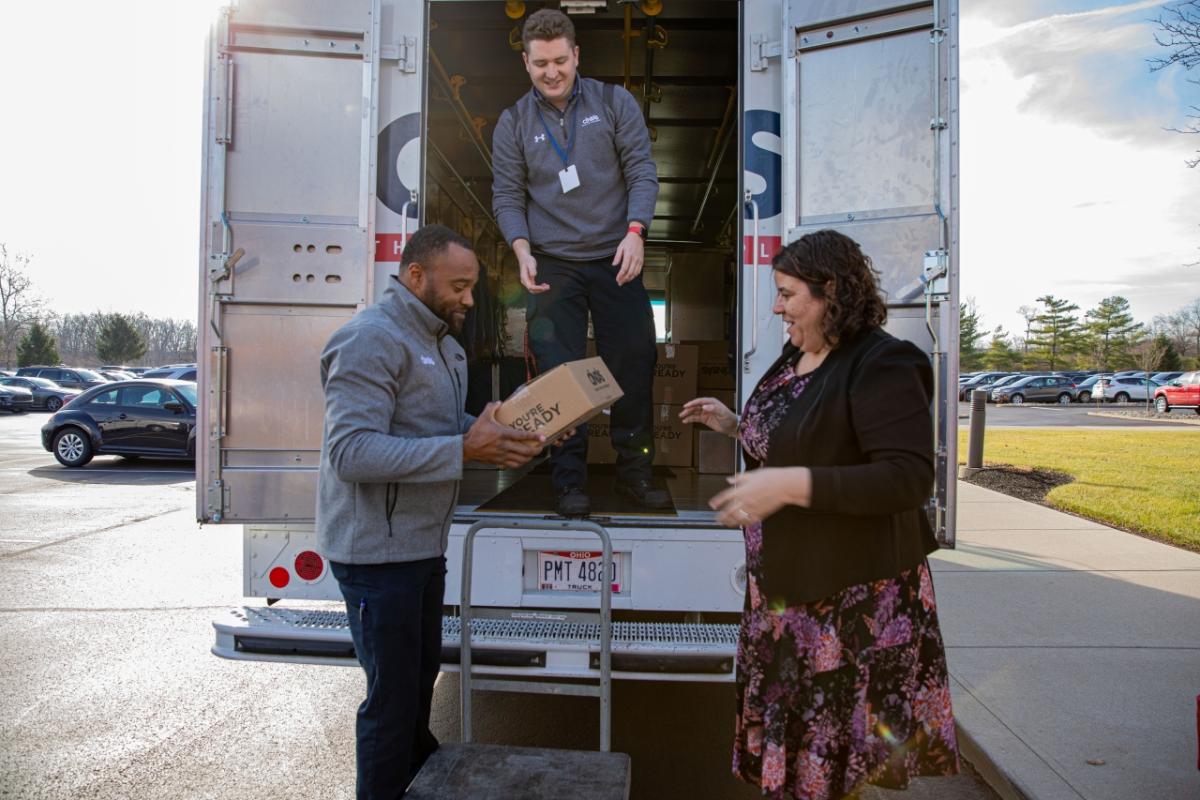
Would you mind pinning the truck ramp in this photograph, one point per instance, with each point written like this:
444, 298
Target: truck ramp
560, 644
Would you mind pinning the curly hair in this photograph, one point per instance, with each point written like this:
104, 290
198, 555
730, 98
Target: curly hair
837, 271
546, 26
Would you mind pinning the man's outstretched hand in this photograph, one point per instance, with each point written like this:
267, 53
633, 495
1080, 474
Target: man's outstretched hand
492, 443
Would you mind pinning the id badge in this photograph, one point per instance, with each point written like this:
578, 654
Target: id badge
569, 178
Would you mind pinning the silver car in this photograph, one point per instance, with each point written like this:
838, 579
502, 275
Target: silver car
1124, 389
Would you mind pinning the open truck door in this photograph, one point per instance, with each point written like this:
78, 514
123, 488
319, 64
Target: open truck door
300, 188
851, 123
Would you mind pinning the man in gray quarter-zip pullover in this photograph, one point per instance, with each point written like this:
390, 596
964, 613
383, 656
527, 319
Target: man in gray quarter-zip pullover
392, 453
573, 191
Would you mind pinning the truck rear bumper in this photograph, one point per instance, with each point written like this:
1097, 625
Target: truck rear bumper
641, 650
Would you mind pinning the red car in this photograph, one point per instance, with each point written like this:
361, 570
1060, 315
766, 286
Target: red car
1183, 392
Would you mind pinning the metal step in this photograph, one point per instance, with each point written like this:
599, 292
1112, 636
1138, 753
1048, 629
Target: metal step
550, 644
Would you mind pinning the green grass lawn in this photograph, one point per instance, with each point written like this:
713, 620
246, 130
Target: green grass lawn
1143, 480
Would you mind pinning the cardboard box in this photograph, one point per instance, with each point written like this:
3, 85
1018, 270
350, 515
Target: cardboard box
672, 439
726, 396
561, 398
696, 296
715, 453
675, 373
600, 449
715, 367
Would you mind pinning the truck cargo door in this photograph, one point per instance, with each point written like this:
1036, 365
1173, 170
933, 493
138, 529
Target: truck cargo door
288, 239
868, 133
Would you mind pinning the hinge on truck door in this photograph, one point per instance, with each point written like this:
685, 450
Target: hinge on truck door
936, 274
761, 50
217, 500
404, 52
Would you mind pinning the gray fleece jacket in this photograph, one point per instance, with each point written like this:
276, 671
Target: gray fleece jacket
392, 448
618, 183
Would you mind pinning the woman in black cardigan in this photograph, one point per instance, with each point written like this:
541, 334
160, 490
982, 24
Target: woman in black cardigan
841, 669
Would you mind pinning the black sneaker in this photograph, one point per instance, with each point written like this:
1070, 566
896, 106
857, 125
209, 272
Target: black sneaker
572, 502
646, 495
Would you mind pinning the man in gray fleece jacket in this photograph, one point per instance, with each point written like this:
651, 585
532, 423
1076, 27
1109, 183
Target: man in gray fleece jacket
392, 454
573, 192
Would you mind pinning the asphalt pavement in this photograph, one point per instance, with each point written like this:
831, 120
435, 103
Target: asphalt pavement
1076, 415
110, 691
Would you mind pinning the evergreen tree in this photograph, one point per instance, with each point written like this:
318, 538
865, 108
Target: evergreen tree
119, 341
1000, 353
1056, 332
1109, 333
1170, 360
37, 347
969, 334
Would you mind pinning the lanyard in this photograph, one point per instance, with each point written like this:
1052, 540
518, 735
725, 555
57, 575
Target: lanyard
565, 155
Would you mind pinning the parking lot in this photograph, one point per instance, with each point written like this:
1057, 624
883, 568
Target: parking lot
1075, 415
110, 691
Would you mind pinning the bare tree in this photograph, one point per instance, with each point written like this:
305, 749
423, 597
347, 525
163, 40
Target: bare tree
1029, 313
1147, 354
1179, 32
20, 304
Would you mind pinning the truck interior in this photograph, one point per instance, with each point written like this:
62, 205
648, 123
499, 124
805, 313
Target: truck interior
680, 60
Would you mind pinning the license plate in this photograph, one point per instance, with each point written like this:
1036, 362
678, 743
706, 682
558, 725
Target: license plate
575, 570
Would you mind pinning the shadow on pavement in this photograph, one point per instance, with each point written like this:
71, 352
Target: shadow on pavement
120, 471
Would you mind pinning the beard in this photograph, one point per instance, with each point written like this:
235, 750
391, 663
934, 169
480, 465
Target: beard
448, 311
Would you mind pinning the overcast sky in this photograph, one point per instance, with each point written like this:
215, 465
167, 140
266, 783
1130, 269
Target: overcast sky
1070, 183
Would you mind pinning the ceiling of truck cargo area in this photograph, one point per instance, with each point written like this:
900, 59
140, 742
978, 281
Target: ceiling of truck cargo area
693, 64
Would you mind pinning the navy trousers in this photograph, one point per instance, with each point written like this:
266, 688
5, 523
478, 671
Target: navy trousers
624, 327
395, 615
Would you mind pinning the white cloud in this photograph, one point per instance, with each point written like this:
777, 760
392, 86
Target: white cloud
1068, 185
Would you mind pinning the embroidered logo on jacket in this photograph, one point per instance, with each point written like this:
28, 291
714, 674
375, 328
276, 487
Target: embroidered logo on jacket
590, 120
427, 361
541, 137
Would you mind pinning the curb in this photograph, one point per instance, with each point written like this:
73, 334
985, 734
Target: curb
1008, 764
1179, 421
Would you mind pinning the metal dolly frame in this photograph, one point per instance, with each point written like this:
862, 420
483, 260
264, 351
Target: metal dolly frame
603, 690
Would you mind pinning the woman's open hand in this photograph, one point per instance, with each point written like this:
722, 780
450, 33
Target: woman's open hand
711, 412
753, 496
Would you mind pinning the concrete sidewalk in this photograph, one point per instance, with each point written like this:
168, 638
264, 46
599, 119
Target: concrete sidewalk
1074, 651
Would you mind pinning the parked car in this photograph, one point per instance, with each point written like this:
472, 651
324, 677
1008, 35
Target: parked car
1165, 377
7, 373
178, 372
46, 394
986, 385
1036, 389
66, 377
155, 418
15, 399
1118, 389
116, 374
1183, 392
965, 388
1083, 390
1007, 380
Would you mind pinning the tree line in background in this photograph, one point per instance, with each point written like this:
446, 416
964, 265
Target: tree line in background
30, 333
1104, 338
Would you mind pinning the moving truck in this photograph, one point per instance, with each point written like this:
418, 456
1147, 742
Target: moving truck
335, 128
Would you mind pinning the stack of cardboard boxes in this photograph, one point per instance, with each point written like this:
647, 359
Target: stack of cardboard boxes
674, 385
684, 371
714, 452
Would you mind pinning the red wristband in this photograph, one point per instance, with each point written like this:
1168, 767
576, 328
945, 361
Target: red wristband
638, 229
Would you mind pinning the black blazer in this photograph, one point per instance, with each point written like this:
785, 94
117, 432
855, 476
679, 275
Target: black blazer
863, 426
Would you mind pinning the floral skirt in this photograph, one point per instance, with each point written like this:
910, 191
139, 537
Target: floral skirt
848, 690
